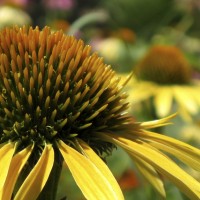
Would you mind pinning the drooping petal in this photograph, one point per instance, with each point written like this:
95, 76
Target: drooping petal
97, 161
185, 100
6, 154
125, 79
161, 163
185, 152
158, 122
163, 101
35, 181
193, 91
17, 163
150, 174
91, 181
140, 92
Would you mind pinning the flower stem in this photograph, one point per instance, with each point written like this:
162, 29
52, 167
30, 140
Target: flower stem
92, 17
50, 189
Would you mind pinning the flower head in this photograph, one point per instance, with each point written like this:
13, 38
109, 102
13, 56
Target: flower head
58, 101
164, 65
51, 88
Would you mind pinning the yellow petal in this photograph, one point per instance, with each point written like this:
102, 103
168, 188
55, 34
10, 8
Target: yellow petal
157, 123
6, 154
184, 156
143, 91
195, 92
17, 163
161, 163
35, 181
184, 99
163, 101
125, 79
150, 174
185, 152
97, 161
91, 181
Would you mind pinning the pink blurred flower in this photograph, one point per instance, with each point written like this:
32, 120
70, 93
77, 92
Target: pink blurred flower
59, 4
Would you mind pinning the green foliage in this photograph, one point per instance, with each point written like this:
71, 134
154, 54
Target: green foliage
144, 17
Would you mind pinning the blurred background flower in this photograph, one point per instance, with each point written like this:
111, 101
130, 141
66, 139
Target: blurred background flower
10, 15
165, 83
20, 3
59, 4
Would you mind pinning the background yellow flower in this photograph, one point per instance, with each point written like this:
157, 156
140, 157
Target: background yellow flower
165, 81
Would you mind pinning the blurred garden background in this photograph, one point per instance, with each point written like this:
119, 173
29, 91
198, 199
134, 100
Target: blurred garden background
125, 32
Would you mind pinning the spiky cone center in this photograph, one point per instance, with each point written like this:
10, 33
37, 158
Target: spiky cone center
164, 65
52, 87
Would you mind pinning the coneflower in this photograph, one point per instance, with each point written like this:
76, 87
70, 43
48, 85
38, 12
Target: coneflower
166, 73
61, 103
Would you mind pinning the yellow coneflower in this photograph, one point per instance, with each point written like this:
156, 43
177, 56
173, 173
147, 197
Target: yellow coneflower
59, 102
165, 76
